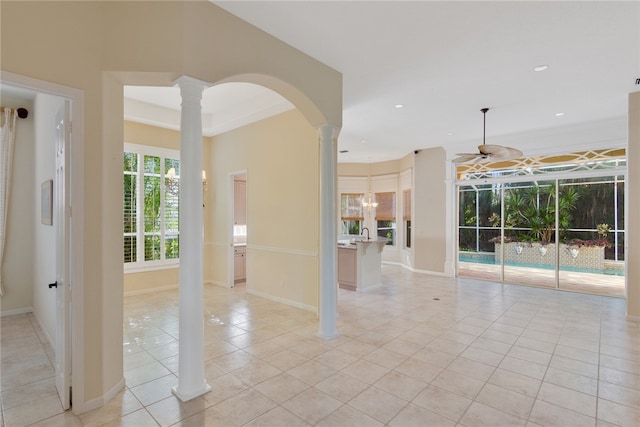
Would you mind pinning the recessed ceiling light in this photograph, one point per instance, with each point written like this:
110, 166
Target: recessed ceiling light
559, 114
363, 141
399, 105
540, 68
449, 133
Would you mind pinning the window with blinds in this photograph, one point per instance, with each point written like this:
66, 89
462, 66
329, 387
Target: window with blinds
406, 217
386, 216
151, 207
351, 213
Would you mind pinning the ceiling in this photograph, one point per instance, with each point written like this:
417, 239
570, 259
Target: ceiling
443, 61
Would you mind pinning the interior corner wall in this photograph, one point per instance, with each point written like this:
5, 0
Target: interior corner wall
430, 214
46, 108
17, 266
281, 157
633, 208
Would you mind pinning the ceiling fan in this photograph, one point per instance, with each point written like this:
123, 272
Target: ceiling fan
488, 153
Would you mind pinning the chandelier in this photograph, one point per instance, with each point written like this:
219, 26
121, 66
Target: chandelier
370, 202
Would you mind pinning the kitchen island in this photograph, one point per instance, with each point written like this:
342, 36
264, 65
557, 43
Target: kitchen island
359, 264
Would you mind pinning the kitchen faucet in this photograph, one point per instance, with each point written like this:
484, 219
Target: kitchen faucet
365, 228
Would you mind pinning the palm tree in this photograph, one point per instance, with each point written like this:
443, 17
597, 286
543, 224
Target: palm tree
534, 208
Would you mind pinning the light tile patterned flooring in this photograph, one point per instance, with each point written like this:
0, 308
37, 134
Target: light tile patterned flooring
419, 351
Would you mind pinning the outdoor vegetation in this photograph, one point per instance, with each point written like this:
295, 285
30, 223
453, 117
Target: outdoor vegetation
160, 221
590, 213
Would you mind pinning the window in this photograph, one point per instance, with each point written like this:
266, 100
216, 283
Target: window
406, 205
351, 213
386, 217
151, 207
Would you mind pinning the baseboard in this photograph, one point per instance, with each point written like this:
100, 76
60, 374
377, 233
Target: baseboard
633, 318
216, 283
100, 401
16, 311
150, 290
44, 331
415, 270
282, 300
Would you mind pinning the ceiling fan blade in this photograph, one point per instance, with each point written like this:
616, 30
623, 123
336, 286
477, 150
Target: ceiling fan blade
496, 153
491, 150
466, 157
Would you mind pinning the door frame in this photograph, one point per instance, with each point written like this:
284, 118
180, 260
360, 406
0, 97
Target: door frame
75, 234
62, 217
231, 215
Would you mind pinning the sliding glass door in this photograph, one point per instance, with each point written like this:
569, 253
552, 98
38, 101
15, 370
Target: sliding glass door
529, 249
478, 207
591, 257
565, 233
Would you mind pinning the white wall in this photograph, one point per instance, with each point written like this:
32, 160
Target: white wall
17, 268
44, 244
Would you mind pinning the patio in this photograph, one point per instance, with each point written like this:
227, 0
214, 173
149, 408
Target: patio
591, 283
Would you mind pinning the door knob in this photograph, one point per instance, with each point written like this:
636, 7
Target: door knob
53, 285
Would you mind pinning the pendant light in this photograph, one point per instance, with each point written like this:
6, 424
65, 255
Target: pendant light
370, 202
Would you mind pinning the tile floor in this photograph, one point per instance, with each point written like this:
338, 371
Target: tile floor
419, 351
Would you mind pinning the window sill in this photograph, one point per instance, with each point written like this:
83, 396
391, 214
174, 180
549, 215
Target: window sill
148, 268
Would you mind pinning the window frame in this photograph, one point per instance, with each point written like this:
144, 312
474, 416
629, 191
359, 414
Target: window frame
390, 217
141, 265
406, 217
346, 220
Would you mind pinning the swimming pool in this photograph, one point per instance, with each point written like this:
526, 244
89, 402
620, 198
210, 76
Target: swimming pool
611, 269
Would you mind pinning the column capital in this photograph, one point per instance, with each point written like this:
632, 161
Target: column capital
188, 81
328, 131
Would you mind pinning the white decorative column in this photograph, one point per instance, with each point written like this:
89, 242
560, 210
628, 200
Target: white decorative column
191, 381
632, 200
328, 233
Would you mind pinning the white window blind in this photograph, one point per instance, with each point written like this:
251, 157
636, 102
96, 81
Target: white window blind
151, 207
351, 206
386, 210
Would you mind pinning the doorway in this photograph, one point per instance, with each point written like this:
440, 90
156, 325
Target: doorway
57, 154
239, 229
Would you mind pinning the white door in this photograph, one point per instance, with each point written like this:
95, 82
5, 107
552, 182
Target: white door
61, 213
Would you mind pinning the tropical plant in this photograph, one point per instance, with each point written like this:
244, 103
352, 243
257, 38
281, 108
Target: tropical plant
534, 209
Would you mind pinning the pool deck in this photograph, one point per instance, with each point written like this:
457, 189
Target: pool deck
592, 283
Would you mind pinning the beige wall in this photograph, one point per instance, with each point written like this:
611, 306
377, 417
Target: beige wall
280, 156
430, 213
97, 47
633, 209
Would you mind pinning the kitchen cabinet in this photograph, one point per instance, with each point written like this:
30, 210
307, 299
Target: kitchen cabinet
359, 264
240, 202
239, 264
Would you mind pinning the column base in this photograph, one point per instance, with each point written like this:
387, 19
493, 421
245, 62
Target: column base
328, 336
185, 397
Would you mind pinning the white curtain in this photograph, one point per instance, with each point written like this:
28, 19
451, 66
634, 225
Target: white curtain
7, 139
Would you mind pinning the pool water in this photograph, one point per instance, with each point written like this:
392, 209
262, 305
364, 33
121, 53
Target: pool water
489, 258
